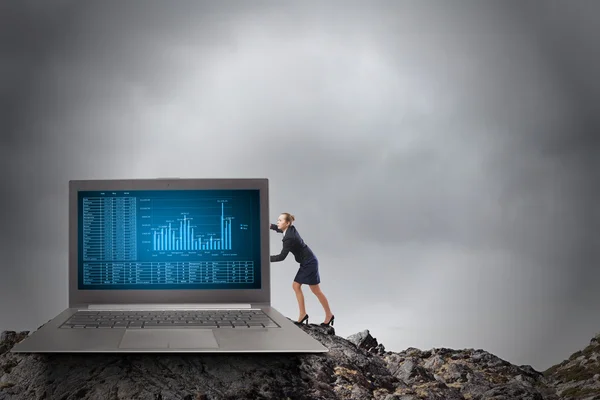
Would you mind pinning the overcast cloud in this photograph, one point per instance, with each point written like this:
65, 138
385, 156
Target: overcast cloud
441, 159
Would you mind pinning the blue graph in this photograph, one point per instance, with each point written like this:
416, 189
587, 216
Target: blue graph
185, 237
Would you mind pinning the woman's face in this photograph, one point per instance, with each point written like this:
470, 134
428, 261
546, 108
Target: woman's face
282, 223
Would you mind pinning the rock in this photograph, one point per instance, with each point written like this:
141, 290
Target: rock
513, 390
471, 373
364, 340
578, 377
9, 338
357, 367
411, 372
345, 372
434, 362
530, 372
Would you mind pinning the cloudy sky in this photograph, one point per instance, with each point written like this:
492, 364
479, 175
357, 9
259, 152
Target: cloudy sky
441, 159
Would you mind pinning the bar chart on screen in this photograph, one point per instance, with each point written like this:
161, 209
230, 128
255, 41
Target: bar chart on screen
188, 233
190, 226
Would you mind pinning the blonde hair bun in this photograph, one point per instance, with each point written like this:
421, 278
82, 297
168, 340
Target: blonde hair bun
290, 218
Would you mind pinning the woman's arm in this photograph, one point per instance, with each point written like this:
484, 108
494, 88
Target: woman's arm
287, 246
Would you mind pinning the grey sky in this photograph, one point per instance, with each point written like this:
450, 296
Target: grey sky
441, 159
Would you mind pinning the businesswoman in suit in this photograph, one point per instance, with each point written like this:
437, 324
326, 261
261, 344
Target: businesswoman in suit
308, 273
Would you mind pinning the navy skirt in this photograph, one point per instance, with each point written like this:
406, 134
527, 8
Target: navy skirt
308, 273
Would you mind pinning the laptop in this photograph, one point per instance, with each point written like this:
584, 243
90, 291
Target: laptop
169, 265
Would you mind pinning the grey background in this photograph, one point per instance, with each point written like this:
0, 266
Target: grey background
440, 158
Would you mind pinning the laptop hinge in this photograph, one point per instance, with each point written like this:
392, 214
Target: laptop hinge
193, 306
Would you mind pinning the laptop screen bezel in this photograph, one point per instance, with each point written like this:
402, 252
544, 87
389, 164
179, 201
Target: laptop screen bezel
79, 298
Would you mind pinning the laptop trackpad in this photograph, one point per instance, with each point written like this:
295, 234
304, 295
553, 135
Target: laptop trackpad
168, 339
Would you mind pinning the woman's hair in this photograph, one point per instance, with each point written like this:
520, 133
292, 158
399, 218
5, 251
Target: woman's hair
288, 217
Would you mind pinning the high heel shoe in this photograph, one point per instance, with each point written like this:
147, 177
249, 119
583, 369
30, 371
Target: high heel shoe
303, 319
330, 322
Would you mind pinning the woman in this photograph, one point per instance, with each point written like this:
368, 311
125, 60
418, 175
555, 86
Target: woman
308, 273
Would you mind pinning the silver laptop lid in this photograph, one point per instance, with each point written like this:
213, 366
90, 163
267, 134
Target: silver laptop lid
170, 241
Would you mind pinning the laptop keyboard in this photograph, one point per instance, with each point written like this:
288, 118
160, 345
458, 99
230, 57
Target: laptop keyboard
209, 319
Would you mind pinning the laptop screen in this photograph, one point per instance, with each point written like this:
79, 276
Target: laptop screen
169, 239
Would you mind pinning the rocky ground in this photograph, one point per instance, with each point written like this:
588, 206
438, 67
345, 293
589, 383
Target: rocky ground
357, 367
579, 376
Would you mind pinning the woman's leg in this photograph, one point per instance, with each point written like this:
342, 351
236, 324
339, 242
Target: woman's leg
300, 297
316, 289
